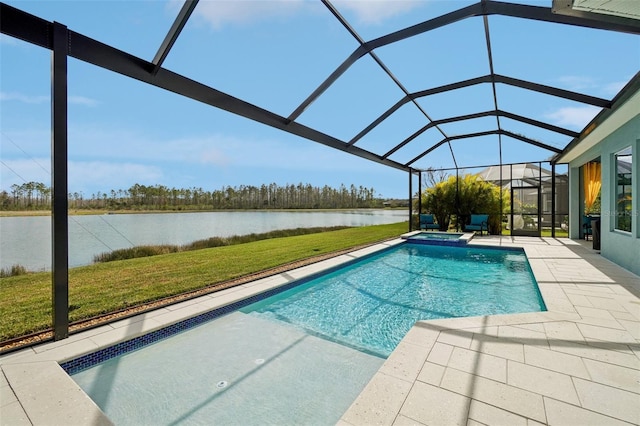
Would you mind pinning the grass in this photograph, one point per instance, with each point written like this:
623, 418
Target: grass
560, 233
25, 300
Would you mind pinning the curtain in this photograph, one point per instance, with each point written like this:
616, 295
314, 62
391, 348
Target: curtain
592, 183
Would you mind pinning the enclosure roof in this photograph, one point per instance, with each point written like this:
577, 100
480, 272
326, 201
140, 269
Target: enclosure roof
451, 85
516, 171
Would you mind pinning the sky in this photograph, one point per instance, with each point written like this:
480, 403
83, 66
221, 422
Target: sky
273, 54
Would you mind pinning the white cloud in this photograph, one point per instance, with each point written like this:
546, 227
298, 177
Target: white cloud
613, 88
573, 116
214, 156
30, 141
291, 153
112, 143
591, 85
577, 82
219, 13
41, 99
81, 100
100, 142
374, 12
19, 171
84, 175
21, 97
367, 12
107, 156
193, 150
88, 176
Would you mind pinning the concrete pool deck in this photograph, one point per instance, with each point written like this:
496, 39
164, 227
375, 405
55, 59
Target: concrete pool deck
577, 363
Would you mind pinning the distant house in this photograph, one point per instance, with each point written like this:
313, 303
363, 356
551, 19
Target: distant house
530, 190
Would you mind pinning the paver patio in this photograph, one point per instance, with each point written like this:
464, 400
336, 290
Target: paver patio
578, 363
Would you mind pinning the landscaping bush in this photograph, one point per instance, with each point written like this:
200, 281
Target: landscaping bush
458, 198
146, 251
13, 271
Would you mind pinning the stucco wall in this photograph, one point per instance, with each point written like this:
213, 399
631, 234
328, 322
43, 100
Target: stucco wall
620, 247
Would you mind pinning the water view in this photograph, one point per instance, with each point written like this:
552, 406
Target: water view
27, 240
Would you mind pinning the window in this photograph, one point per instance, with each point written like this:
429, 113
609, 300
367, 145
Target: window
623, 189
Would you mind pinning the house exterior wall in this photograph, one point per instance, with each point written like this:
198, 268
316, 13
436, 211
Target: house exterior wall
620, 247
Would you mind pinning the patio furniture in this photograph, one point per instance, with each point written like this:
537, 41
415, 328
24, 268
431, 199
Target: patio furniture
595, 231
586, 227
479, 222
426, 222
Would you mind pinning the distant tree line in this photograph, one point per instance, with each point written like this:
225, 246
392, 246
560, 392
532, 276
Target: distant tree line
37, 196
28, 196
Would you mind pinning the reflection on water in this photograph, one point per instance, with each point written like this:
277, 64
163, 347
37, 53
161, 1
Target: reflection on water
27, 240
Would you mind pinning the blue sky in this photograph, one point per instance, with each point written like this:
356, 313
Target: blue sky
273, 54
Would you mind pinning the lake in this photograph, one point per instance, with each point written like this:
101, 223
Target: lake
26, 240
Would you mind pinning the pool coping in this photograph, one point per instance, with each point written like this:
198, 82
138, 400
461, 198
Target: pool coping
463, 240
36, 390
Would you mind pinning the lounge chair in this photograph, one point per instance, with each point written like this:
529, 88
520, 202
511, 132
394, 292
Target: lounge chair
479, 222
426, 222
586, 227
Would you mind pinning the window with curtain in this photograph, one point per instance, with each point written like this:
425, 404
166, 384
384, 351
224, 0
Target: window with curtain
592, 184
624, 170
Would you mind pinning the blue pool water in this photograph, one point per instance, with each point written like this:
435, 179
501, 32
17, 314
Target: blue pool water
303, 355
370, 305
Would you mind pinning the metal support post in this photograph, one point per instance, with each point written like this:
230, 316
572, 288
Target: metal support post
553, 200
410, 200
457, 201
540, 208
59, 214
419, 192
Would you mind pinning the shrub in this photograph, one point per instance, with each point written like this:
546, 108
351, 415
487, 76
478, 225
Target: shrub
145, 251
13, 271
463, 196
133, 252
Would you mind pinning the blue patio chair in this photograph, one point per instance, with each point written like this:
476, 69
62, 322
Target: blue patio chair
426, 222
586, 227
479, 222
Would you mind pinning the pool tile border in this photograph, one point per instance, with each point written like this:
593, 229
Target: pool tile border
83, 362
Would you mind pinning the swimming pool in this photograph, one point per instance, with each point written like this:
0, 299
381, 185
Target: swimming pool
305, 353
370, 305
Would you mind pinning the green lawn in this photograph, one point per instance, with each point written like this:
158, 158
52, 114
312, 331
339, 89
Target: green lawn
25, 300
544, 233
